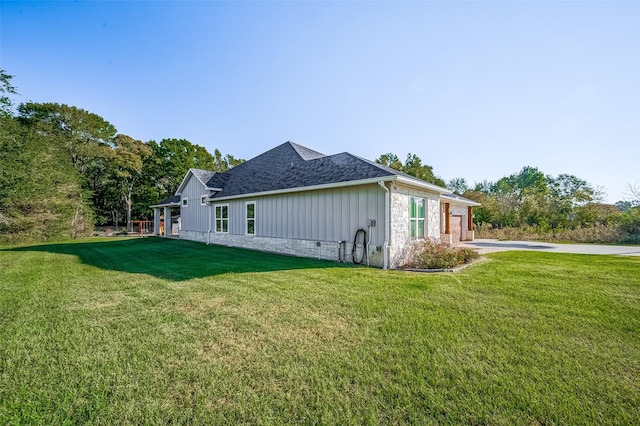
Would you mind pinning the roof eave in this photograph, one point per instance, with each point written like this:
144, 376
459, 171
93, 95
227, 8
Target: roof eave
308, 188
421, 184
185, 179
165, 205
464, 201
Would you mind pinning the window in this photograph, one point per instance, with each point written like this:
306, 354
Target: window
251, 218
203, 200
222, 218
416, 217
185, 202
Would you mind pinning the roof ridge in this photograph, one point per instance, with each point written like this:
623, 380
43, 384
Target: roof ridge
304, 152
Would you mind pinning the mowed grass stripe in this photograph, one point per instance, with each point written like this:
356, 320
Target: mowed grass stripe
155, 331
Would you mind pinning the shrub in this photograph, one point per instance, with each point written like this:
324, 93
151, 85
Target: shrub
430, 255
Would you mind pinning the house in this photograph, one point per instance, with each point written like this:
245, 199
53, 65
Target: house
297, 201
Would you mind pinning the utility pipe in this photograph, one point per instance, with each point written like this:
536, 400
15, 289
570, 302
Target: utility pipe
387, 231
209, 231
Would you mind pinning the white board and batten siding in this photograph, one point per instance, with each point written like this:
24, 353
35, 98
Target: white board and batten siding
321, 215
303, 223
194, 216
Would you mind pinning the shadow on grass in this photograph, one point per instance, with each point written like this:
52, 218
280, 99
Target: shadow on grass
176, 260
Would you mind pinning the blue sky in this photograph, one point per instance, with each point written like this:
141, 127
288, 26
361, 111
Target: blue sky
476, 89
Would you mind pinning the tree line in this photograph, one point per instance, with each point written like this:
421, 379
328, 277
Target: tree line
64, 169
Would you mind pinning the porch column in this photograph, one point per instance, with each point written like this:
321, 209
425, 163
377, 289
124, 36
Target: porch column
470, 218
167, 222
447, 220
156, 221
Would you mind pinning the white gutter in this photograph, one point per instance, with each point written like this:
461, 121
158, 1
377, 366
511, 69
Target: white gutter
387, 231
422, 184
308, 188
209, 231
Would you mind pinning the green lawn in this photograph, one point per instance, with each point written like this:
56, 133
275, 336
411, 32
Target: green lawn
153, 331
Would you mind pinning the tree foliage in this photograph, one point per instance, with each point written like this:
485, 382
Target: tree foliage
64, 169
412, 166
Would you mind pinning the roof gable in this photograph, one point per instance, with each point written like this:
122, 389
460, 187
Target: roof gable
291, 165
203, 177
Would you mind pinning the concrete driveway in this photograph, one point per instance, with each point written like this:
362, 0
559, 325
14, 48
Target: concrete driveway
491, 246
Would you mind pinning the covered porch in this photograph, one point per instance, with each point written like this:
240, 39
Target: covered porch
456, 219
163, 221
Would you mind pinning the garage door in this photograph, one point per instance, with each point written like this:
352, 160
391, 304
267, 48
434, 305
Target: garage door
456, 228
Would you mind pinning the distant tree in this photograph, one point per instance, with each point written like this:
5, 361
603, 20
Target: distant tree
6, 89
412, 166
130, 155
458, 185
85, 136
633, 193
390, 160
41, 197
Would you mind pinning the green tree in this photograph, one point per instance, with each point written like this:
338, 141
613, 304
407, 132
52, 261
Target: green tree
6, 89
129, 157
85, 136
390, 160
40, 193
412, 166
458, 185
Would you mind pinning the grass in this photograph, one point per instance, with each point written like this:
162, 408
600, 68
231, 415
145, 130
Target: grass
155, 331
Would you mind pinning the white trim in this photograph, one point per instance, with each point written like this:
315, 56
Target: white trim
182, 202
246, 219
215, 211
308, 188
417, 219
464, 201
387, 225
203, 200
184, 181
422, 184
165, 205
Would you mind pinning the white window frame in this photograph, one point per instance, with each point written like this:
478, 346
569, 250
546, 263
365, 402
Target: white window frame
221, 219
203, 200
185, 202
247, 218
417, 220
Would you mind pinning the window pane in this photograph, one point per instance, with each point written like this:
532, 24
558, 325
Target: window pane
218, 225
225, 226
218, 211
250, 211
224, 212
412, 209
420, 209
420, 229
250, 227
412, 228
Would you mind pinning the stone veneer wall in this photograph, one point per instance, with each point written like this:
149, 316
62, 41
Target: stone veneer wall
400, 238
327, 250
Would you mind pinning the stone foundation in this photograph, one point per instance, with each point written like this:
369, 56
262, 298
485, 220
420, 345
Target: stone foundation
327, 250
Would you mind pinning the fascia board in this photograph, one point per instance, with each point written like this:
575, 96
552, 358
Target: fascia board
307, 188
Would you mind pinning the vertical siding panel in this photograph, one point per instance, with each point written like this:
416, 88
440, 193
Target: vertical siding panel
327, 212
337, 214
298, 219
372, 211
308, 218
354, 212
291, 226
314, 215
344, 213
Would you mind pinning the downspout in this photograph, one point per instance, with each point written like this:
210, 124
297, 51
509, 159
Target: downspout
209, 231
385, 245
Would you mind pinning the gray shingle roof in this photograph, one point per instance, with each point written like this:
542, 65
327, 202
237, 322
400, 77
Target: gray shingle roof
174, 199
293, 166
203, 175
